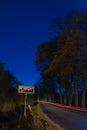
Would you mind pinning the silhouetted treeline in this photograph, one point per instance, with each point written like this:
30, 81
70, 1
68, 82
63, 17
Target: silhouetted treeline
62, 62
9, 97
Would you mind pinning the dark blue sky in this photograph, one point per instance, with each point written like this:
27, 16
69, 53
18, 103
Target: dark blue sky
23, 26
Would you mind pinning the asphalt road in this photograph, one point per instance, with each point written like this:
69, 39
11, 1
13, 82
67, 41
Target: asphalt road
67, 119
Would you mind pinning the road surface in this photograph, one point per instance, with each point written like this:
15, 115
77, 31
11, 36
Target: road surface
67, 119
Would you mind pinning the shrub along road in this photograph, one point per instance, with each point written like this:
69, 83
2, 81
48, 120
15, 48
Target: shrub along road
66, 118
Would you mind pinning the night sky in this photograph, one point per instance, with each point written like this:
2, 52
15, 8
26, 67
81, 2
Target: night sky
23, 26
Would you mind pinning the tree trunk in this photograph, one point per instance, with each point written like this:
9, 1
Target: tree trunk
76, 92
76, 98
65, 98
61, 98
83, 93
45, 97
83, 98
70, 99
51, 98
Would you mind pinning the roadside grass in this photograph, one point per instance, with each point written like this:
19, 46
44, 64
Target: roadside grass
41, 120
15, 120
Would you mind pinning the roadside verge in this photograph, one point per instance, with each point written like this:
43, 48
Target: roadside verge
46, 121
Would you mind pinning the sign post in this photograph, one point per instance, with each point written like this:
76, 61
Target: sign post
25, 104
26, 90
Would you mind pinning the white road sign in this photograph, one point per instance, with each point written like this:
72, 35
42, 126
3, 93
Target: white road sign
26, 89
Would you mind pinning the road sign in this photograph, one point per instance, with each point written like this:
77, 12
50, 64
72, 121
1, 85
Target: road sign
26, 89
